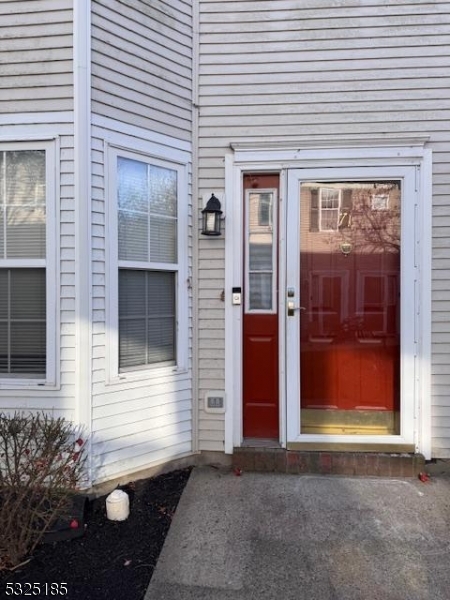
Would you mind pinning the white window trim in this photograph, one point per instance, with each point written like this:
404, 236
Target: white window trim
113, 375
325, 210
51, 264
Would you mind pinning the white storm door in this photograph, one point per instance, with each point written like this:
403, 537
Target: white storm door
351, 305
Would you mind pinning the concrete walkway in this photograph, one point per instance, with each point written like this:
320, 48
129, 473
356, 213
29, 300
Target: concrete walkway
289, 537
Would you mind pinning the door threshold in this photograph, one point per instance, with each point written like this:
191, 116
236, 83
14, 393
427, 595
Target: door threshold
260, 443
353, 447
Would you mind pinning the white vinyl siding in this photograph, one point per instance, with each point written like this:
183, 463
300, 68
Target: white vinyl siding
284, 72
36, 49
142, 64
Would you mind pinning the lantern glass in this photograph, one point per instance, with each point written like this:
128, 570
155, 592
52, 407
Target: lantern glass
211, 214
210, 222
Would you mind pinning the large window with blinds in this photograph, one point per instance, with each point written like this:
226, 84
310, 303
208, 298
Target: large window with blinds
148, 265
24, 195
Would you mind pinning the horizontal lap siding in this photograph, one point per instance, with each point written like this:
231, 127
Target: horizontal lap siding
142, 64
284, 71
36, 56
142, 76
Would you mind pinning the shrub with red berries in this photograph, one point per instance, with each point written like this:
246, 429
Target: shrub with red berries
41, 464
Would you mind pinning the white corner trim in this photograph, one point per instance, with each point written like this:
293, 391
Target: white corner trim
194, 220
82, 187
425, 237
233, 314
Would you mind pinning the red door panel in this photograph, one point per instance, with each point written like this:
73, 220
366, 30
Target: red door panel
261, 376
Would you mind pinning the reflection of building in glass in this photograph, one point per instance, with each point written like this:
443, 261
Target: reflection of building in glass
350, 249
260, 250
350, 288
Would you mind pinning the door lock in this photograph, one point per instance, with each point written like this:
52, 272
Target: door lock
291, 308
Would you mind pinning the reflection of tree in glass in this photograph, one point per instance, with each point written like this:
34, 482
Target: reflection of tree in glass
371, 222
22, 204
143, 187
23, 176
163, 190
132, 185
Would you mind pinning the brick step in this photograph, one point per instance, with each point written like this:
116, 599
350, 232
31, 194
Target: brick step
328, 463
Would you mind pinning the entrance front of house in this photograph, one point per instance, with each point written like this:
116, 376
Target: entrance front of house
331, 324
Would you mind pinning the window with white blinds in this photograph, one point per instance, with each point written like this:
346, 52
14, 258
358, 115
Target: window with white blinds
147, 222
23, 304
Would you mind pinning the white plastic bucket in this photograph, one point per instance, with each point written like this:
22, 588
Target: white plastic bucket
117, 506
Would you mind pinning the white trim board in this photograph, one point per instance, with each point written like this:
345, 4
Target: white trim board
133, 134
40, 118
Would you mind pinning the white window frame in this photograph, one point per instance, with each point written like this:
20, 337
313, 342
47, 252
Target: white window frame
50, 263
325, 210
114, 375
379, 202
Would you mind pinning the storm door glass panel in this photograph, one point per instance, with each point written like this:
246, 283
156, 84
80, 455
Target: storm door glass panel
260, 251
350, 326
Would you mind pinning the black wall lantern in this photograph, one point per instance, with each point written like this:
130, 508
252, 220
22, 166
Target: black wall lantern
211, 217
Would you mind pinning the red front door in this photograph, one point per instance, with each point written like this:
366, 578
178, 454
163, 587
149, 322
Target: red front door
260, 322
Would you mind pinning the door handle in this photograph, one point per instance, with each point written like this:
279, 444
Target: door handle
291, 308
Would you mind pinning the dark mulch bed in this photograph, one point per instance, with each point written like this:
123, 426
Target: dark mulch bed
112, 560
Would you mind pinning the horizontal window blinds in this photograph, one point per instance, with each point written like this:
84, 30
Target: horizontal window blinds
22, 321
146, 317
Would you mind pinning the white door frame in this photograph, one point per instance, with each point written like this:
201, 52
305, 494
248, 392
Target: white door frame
387, 154
409, 309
